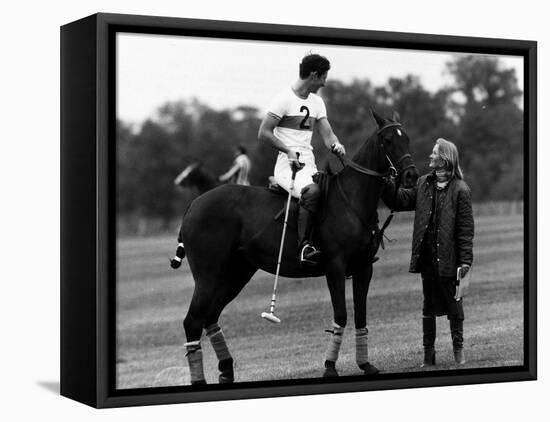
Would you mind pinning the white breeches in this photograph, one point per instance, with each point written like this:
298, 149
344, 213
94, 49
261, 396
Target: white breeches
283, 172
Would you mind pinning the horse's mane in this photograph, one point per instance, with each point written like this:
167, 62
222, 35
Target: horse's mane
368, 147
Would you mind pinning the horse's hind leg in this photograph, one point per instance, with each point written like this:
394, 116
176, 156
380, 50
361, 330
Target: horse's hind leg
208, 299
361, 282
235, 278
225, 360
193, 325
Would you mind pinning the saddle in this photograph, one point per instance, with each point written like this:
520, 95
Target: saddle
322, 179
325, 181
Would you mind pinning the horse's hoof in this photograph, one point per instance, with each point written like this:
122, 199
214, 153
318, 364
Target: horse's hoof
175, 264
226, 371
330, 369
369, 369
330, 373
226, 379
198, 382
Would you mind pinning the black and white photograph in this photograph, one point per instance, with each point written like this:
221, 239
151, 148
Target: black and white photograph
328, 211
239, 211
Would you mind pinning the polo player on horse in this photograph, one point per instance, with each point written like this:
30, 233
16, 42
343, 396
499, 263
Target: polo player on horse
288, 127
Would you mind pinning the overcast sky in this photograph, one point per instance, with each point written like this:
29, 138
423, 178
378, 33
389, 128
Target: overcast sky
154, 69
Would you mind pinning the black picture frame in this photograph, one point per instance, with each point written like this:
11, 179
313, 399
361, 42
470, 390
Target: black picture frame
88, 130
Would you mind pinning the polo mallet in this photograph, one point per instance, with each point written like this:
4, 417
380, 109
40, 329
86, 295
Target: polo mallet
270, 316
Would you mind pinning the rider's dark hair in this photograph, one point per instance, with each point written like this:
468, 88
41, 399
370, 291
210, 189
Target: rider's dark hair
313, 63
241, 148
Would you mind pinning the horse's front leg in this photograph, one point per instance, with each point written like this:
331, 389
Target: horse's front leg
336, 276
361, 282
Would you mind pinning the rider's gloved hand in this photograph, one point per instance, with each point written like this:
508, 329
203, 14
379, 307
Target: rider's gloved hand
338, 149
293, 157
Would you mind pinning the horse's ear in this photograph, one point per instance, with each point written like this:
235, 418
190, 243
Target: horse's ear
379, 119
396, 117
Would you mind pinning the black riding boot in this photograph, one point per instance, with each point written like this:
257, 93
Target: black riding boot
428, 341
457, 335
309, 255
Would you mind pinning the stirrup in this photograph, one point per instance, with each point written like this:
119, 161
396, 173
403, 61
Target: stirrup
309, 255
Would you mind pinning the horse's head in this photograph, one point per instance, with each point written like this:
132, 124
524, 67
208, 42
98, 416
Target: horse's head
196, 177
394, 154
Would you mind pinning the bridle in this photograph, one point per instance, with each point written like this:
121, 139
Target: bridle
392, 173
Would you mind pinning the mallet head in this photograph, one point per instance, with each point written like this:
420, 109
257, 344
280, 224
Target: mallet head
271, 317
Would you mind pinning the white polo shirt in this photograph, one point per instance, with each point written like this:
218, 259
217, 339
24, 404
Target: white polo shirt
296, 119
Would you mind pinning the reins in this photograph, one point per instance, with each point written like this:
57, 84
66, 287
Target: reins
392, 173
360, 169
368, 172
388, 220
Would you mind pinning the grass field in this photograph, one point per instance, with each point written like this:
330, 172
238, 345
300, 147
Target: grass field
152, 300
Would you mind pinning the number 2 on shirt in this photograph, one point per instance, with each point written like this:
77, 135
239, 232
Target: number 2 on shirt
304, 124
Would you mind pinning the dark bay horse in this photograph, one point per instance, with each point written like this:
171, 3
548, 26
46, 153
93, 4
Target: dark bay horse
195, 176
230, 232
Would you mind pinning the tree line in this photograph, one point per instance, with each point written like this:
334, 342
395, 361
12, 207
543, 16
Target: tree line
480, 110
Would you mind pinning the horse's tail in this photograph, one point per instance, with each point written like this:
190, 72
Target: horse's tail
175, 262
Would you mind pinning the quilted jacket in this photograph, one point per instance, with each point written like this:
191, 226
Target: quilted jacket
454, 225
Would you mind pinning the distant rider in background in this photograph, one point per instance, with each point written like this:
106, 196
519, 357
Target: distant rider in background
238, 173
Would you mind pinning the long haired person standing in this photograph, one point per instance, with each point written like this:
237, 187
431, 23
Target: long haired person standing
442, 242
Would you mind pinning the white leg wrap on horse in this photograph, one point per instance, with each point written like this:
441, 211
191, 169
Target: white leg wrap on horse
194, 358
180, 252
217, 339
335, 343
361, 346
